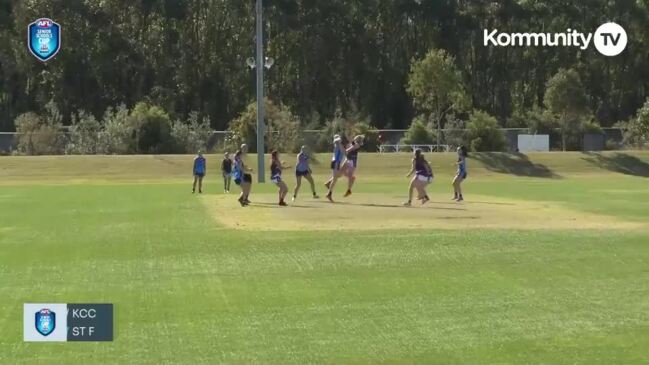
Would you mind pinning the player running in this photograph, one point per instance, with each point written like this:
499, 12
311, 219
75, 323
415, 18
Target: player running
423, 176
276, 167
302, 169
461, 175
336, 166
241, 177
226, 171
351, 162
199, 172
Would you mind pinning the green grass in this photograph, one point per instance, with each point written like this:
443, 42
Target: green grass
188, 290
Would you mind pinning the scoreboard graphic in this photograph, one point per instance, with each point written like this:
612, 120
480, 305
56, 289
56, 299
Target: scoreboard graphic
56, 322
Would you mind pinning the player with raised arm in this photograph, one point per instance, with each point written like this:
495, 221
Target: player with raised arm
302, 169
276, 167
461, 174
199, 170
351, 162
423, 176
336, 166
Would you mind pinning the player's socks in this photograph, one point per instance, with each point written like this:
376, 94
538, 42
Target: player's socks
294, 197
330, 197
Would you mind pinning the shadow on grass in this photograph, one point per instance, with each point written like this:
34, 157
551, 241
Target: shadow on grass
516, 164
619, 162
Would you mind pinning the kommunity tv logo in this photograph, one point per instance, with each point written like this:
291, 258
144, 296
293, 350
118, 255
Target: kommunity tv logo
610, 39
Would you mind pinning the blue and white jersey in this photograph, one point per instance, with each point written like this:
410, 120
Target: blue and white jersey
302, 162
339, 153
461, 166
237, 170
199, 165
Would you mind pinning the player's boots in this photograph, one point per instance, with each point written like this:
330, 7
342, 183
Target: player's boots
330, 197
348, 193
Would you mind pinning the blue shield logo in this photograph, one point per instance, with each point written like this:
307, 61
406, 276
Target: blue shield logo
45, 321
44, 38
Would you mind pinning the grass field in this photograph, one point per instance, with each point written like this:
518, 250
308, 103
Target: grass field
547, 262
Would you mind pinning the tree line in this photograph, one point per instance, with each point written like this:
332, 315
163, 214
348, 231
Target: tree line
384, 62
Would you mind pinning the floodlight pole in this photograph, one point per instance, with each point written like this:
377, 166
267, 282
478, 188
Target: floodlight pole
260, 94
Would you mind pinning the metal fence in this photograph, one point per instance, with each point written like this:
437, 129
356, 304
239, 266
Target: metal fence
390, 140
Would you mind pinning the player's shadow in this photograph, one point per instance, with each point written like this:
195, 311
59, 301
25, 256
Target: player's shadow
513, 163
395, 206
275, 205
622, 163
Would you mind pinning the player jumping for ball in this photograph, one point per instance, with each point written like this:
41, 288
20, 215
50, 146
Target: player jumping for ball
423, 176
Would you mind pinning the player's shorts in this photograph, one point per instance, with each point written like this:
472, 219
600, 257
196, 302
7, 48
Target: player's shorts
199, 174
247, 178
463, 175
276, 179
302, 173
351, 164
335, 165
227, 174
425, 179
237, 181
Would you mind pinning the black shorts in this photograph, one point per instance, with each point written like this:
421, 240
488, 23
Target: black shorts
237, 181
199, 174
335, 165
247, 178
302, 173
463, 175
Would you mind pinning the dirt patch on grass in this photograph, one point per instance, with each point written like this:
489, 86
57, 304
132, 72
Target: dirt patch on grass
377, 211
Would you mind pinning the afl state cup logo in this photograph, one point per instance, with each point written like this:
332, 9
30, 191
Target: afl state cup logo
45, 321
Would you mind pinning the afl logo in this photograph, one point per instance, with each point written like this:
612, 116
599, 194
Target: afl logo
44, 38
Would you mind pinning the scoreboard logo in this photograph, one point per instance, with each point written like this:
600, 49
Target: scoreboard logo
44, 38
45, 321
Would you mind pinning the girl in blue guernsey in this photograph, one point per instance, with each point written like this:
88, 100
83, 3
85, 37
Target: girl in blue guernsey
423, 176
200, 167
461, 175
351, 162
241, 177
336, 166
302, 169
276, 167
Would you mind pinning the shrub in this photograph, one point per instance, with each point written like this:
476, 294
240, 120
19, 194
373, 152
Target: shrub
40, 135
418, 133
635, 132
85, 134
191, 135
152, 129
484, 134
118, 135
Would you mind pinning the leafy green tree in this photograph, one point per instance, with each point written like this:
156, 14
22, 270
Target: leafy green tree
418, 134
566, 98
152, 128
484, 134
436, 86
282, 129
636, 130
